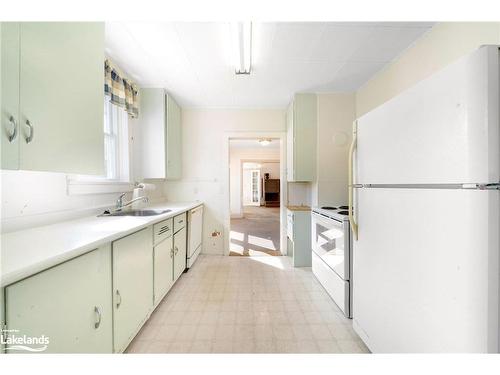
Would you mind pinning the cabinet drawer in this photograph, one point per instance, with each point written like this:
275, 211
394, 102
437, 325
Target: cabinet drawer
162, 230
179, 222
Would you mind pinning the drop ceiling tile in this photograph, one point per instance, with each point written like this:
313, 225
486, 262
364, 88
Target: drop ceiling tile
338, 43
351, 76
386, 43
294, 41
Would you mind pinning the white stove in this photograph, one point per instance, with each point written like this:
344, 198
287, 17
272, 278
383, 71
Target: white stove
332, 253
337, 212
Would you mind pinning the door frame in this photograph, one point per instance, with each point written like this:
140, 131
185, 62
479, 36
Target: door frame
228, 136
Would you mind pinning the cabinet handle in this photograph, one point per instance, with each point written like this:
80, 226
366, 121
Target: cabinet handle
29, 138
97, 311
171, 253
176, 250
14, 129
119, 299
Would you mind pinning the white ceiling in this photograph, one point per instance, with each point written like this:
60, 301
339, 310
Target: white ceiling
253, 143
192, 60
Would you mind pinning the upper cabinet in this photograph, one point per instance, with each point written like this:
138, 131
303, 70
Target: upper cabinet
158, 136
52, 96
301, 127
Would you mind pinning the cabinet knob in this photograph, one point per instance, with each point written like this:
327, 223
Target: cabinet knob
176, 250
171, 253
13, 135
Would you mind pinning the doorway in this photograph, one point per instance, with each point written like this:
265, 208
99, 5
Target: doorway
255, 197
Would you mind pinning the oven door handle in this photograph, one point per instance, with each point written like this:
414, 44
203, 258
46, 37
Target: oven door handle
354, 142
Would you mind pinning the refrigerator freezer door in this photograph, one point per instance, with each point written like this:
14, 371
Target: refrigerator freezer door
426, 270
445, 129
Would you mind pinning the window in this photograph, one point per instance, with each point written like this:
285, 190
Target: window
116, 156
115, 142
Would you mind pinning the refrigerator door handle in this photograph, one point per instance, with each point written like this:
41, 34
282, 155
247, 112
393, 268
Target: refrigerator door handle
352, 221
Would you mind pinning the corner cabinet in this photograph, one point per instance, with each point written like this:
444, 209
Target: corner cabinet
301, 128
158, 136
52, 95
69, 303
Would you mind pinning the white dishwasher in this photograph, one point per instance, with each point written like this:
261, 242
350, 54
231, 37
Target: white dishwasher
195, 234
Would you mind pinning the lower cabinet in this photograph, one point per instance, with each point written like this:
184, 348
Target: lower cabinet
69, 304
163, 268
132, 285
179, 252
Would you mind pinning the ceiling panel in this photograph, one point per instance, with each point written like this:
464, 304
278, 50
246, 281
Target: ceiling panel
192, 60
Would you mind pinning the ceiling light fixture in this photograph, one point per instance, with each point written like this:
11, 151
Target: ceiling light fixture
264, 141
242, 47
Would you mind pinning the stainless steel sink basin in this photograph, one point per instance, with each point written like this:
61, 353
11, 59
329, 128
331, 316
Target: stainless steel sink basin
134, 213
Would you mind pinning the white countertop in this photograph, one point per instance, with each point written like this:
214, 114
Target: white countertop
29, 251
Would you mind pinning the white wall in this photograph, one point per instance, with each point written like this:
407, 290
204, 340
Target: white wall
236, 156
443, 44
205, 173
39, 198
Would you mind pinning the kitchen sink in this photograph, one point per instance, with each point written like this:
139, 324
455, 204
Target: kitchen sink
134, 213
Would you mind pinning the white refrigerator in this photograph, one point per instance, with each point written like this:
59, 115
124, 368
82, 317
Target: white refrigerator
425, 173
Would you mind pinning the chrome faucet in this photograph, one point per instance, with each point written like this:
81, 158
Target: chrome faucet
120, 205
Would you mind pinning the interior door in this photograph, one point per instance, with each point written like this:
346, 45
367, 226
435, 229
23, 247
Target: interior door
179, 253
426, 270
62, 97
9, 96
255, 187
70, 304
163, 268
132, 285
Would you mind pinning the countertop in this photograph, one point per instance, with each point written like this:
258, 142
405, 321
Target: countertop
298, 208
29, 251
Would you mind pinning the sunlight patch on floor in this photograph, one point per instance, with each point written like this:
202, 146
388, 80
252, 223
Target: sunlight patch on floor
276, 262
238, 236
262, 242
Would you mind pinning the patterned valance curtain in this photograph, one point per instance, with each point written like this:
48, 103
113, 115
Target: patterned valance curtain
122, 91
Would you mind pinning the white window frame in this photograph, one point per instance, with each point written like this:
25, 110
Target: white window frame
117, 122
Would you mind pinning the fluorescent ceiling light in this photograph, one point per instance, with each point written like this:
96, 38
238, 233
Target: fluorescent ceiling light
264, 142
242, 47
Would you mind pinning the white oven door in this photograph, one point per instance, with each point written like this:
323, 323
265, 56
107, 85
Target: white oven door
330, 243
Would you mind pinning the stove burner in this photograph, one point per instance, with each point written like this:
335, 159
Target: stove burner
343, 207
329, 208
343, 212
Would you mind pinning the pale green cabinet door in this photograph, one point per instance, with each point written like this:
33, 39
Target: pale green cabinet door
179, 253
174, 140
290, 141
9, 94
163, 268
132, 285
70, 304
305, 132
62, 97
